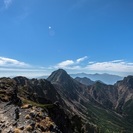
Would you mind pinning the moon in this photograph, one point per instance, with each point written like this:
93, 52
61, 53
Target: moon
49, 27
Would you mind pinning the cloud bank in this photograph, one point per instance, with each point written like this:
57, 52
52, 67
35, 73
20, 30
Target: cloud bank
114, 66
13, 67
8, 62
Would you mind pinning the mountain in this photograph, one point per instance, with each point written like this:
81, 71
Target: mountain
117, 97
72, 92
61, 104
68, 88
85, 81
105, 78
95, 104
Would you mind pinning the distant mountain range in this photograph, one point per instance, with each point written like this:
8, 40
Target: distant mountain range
105, 78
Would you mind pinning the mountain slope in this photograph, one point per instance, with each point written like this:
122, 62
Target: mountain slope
125, 97
105, 95
118, 97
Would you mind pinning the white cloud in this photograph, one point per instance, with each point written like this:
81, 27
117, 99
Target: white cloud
7, 3
112, 66
65, 64
8, 62
115, 66
81, 59
71, 64
91, 62
13, 67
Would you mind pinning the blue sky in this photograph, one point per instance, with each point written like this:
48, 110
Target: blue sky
39, 36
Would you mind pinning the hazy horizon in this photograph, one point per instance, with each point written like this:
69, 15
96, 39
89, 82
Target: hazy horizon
40, 74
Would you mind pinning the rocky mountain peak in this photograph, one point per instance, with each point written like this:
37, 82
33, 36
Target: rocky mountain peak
59, 76
68, 86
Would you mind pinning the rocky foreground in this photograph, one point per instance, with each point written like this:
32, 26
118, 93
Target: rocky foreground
31, 119
41, 109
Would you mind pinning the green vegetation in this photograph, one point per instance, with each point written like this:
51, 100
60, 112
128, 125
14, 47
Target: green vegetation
128, 107
108, 121
128, 110
25, 101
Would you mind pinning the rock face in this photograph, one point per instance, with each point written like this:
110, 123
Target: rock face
105, 95
125, 97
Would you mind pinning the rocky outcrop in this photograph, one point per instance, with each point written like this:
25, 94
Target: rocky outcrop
31, 119
40, 91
